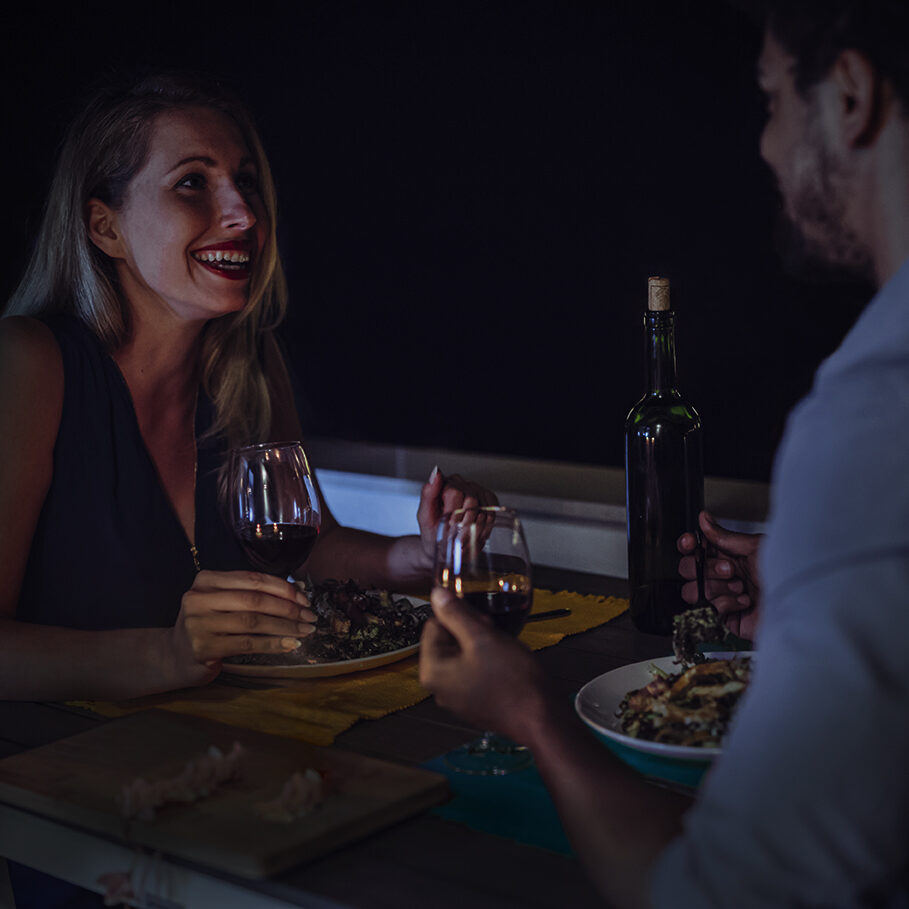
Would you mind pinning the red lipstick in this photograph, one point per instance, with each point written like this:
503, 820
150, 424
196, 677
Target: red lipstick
233, 245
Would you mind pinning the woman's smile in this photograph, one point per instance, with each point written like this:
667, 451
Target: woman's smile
231, 259
193, 222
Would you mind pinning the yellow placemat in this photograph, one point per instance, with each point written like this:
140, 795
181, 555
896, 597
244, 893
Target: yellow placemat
317, 710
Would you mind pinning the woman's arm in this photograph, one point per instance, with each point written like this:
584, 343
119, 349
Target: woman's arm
223, 613
37, 661
31, 402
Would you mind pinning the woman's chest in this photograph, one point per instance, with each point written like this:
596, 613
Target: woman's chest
171, 447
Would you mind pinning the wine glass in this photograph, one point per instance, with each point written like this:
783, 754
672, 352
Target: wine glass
481, 556
275, 511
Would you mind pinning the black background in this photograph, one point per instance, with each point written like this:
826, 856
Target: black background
472, 195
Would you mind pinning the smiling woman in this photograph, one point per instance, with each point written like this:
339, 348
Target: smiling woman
144, 327
139, 166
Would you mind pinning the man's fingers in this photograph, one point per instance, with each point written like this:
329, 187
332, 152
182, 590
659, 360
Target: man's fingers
730, 541
688, 568
724, 603
715, 569
730, 603
716, 590
687, 543
436, 645
462, 622
433, 636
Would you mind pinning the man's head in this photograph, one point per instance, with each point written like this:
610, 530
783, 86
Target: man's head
815, 32
829, 68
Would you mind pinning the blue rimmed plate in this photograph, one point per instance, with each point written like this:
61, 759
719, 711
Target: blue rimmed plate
597, 704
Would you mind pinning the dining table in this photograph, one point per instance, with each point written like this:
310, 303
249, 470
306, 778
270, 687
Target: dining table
439, 857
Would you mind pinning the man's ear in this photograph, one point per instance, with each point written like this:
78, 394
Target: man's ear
102, 228
861, 98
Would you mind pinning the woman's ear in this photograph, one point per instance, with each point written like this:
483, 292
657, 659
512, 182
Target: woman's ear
102, 228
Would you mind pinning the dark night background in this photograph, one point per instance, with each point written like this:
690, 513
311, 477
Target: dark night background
472, 195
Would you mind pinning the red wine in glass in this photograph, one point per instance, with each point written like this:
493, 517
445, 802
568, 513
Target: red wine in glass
481, 556
274, 506
277, 548
508, 611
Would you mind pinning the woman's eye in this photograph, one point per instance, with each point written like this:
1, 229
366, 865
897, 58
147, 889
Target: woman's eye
247, 183
192, 181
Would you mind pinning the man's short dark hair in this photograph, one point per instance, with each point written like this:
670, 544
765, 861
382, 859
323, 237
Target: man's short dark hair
815, 32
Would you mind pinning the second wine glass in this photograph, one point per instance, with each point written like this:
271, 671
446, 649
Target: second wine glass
275, 510
481, 556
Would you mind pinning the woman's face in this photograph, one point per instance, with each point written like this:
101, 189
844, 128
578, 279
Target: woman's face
193, 223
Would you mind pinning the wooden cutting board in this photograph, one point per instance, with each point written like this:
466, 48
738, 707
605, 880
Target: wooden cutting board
77, 780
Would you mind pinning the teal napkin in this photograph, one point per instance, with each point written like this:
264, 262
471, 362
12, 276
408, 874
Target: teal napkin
515, 805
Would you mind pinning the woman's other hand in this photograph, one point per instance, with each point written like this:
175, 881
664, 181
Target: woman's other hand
730, 574
441, 495
227, 613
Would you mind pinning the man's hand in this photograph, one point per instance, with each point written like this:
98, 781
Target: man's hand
617, 822
730, 574
479, 673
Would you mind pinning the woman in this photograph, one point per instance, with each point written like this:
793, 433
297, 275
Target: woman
143, 331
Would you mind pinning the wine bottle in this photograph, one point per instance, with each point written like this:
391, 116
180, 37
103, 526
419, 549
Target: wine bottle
664, 474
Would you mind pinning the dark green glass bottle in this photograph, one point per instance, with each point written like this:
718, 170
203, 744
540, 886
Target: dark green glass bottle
664, 474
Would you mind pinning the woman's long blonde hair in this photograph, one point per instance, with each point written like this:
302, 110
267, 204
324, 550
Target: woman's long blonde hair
104, 148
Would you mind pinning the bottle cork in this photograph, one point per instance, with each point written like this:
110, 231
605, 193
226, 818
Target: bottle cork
658, 294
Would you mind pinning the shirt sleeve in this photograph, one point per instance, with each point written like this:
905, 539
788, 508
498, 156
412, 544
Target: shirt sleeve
809, 804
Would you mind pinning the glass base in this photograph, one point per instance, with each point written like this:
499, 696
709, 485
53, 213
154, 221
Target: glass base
490, 755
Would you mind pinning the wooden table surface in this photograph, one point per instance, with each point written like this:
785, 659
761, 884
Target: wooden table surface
427, 861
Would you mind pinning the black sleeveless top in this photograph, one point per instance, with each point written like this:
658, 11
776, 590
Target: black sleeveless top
108, 550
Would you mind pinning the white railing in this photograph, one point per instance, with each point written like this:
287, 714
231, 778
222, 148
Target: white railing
578, 524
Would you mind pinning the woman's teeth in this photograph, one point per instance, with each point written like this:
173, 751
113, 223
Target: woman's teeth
231, 256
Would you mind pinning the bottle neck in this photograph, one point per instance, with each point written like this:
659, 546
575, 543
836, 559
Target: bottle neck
661, 366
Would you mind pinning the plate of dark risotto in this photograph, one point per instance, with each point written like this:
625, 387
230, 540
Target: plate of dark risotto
356, 630
666, 708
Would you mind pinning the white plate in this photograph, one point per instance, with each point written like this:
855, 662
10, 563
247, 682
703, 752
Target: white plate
598, 701
317, 670
321, 670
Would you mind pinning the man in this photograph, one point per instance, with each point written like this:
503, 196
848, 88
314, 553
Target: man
809, 805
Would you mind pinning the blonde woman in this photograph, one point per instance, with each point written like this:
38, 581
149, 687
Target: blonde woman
138, 349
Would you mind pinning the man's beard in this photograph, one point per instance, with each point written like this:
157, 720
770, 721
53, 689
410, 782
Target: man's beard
814, 242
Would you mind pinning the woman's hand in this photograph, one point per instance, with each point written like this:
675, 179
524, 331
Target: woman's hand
730, 574
226, 613
479, 673
441, 495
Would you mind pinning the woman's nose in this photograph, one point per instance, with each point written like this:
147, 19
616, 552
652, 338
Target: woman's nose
236, 212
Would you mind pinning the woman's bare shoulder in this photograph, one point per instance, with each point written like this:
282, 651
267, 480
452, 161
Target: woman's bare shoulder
27, 337
31, 374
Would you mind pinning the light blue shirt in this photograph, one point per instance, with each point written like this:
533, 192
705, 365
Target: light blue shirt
809, 805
